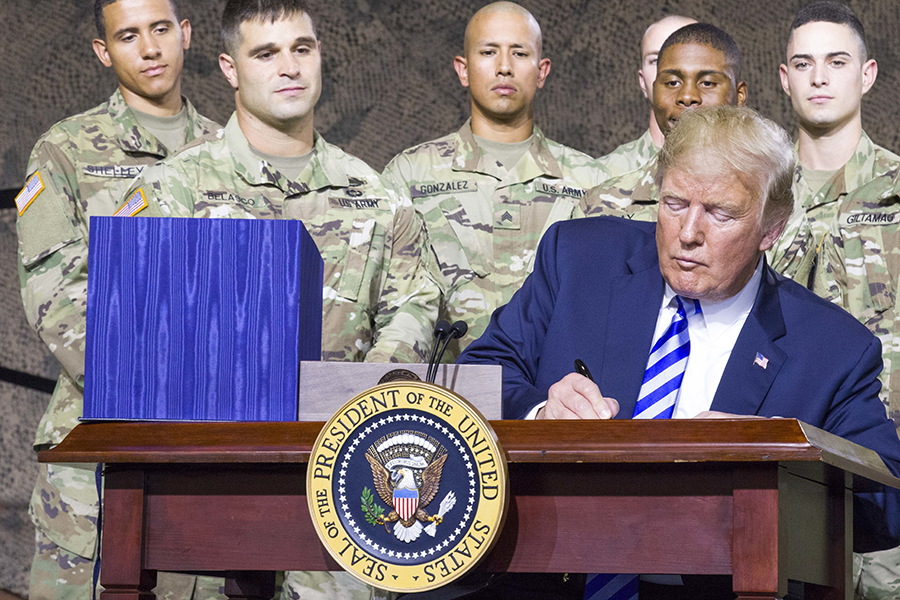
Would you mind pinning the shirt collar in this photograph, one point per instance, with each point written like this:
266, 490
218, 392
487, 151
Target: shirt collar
537, 161
721, 316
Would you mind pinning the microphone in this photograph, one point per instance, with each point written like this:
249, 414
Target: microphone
441, 332
457, 330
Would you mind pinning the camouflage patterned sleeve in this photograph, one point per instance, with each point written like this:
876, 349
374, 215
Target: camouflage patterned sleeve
831, 275
408, 307
53, 256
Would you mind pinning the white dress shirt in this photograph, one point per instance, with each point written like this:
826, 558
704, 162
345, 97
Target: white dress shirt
713, 334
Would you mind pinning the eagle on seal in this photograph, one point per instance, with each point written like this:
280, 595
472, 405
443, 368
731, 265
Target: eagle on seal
397, 488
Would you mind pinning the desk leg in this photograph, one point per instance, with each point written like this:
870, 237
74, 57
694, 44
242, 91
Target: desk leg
755, 553
121, 564
250, 585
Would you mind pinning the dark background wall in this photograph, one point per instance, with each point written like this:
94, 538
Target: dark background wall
388, 84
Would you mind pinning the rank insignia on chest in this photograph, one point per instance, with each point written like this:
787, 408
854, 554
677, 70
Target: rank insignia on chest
507, 216
407, 486
33, 187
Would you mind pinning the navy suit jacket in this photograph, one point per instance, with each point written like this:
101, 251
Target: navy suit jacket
595, 294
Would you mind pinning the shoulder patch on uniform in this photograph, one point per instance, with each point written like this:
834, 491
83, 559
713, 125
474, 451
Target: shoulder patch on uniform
558, 189
459, 186
135, 204
869, 218
33, 187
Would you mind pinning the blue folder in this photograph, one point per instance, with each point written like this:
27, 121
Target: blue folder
199, 319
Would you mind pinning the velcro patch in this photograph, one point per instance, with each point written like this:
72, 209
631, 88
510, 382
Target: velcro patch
359, 203
33, 187
442, 187
869, 218
558, 190
118, 171
136, 203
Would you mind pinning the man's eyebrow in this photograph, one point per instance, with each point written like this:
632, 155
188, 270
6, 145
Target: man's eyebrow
829, 55
270, 46
497, 45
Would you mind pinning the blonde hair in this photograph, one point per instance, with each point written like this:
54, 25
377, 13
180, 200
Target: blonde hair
742, 142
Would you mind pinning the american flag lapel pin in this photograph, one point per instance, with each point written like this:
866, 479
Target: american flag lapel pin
761, 360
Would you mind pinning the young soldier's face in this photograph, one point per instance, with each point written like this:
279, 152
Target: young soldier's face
825, 76
503, 68
277, 71
145, 46
692, 75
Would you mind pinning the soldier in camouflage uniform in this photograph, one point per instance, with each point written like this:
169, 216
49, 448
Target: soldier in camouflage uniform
825, 75
699, 65
637, 153
859, 269
490, 190
78, 169
269, 163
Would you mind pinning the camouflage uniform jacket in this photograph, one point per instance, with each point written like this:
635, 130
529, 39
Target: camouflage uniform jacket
378, 302
860, 271
794, 254
84, 165
628, 157
484, 222
632, 195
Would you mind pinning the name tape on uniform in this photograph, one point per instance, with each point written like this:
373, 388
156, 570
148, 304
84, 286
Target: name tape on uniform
117, 171
136, 203
869, 218
424, 190
33, 187
559, 190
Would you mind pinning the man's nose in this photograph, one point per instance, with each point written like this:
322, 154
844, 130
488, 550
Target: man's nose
689, 95
692, 233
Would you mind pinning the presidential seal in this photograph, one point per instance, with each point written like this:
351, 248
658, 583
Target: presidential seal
407, 486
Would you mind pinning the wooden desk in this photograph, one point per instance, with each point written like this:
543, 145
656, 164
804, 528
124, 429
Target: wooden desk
763, 500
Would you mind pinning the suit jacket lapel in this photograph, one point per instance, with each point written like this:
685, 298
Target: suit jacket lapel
633, 311
746, 382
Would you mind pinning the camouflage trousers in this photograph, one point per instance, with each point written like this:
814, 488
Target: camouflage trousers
877, 575
64, 509
328, 585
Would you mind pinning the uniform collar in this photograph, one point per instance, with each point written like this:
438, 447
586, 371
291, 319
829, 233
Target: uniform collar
321, 172
861, 169
538, 161
134, 138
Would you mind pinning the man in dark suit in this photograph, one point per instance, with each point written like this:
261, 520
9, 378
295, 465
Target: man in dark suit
684, 318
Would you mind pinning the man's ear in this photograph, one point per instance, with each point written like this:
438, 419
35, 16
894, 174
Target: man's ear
785, 82
642, 84
742, 93
543, 71
185, 34
869, 74
771, 236
102, 53
462, 70
226, 63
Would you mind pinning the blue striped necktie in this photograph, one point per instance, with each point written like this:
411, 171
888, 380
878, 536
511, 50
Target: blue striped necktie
659, 392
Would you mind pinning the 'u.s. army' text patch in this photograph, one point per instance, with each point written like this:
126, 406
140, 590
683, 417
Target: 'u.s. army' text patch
33, 187
136, 203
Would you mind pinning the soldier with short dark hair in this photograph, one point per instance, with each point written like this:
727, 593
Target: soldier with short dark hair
78, 169
826, 73
637, 153
269, 162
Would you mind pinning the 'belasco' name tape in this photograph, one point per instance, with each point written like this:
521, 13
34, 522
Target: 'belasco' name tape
407, 486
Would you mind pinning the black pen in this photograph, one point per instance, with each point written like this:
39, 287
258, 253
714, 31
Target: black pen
582, 369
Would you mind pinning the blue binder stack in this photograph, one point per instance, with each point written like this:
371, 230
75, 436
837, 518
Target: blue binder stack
199, 319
